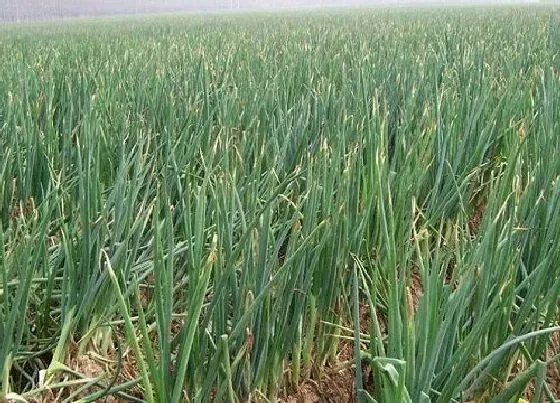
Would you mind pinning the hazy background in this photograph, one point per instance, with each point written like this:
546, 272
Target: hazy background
24, 10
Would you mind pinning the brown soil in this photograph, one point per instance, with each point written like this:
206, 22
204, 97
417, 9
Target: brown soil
476, 219
553, 371
87, 366
90, 366
474, 224
335, 388
416, 291
23, 210
332, 387
449, 270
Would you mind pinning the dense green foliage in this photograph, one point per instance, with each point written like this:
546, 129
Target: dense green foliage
227, 199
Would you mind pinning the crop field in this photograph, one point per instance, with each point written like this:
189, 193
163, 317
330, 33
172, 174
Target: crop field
318, 207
